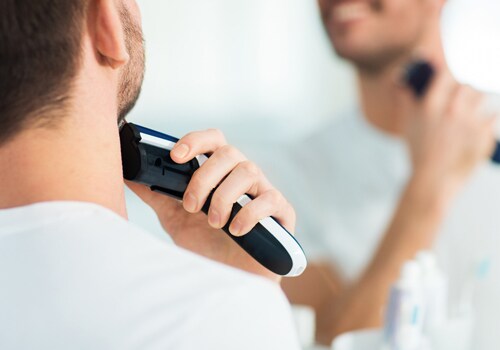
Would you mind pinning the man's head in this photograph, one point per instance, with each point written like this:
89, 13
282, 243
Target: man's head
42, 44
374, 33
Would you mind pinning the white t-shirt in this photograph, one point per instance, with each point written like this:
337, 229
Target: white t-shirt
77, 276
345, 181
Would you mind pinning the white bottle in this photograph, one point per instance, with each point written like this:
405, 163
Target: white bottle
404, 318
435, 292
305, 322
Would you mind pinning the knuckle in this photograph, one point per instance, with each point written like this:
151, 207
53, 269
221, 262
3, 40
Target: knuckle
248, 217
210, 167
229, 152
250, 168
196, 184
189, 137
219, 201
276, 198
218, 134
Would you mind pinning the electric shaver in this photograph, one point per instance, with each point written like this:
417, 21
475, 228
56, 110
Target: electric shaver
146, 160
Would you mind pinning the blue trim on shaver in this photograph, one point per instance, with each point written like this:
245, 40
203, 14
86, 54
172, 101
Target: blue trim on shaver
155, 133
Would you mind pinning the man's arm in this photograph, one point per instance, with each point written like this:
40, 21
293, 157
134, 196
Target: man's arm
341, 307
447, 139
413, 228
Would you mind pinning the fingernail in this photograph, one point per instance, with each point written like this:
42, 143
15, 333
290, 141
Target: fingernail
235, 228
214, 219
190, 202
180, 151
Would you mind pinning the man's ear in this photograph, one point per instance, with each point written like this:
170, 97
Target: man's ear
109, 34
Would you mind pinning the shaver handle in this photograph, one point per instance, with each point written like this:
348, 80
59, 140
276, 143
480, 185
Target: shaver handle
418, 77
259, 242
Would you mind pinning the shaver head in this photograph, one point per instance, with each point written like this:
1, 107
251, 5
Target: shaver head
131, 154
146, 160
418, 76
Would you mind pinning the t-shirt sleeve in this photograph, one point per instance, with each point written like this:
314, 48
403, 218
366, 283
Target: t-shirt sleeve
254, 316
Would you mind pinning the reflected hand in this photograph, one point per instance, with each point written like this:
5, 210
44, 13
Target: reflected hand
448, 133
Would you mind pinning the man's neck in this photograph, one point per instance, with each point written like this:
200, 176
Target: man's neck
376, 89
77, 161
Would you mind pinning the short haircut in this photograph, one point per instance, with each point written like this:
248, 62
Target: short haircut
40, 50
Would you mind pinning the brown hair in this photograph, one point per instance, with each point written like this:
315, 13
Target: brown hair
40, 44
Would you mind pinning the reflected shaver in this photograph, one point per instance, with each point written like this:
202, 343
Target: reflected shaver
146, 160
418, 76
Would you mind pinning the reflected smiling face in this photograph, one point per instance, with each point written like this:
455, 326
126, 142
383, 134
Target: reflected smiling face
374, 33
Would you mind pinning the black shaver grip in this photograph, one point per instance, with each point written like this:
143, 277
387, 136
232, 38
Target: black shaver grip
259, 243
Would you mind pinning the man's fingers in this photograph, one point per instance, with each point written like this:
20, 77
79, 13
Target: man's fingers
246, 178
437, 99
227, 170
270, 203
196, 143
465, 103
210, 174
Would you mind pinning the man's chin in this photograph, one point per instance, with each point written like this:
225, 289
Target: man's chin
351, 53
364, 60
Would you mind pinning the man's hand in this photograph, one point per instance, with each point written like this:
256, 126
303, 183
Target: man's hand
448, 134
233, 175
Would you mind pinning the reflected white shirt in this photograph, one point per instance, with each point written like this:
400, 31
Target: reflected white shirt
345, 181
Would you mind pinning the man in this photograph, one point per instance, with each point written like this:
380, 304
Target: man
367, 201
74, 274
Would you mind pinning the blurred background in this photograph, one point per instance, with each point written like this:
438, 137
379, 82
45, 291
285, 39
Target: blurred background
264, 72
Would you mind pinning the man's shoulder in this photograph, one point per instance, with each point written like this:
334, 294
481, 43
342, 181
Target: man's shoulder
100, 273
101, 247
206, 295
112, 236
